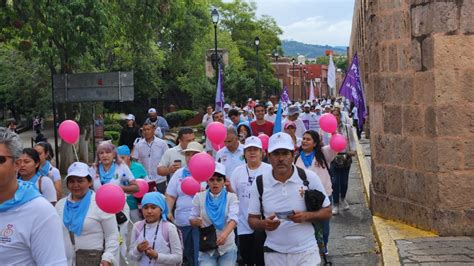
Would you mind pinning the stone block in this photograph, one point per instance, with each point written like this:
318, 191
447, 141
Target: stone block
392, 119
422, 188
401, 25
405, 58
379, 178
380, 148
467, 15
455, 190
374, 66
413, 120
395, 181
425, 155
416, 54
466, 83
450, 155
430, 122
421, 20
469, 154
383, 55
455, 120
403, 89
383, 91
449, 222
427, 53
376, 119
419, 2
424, 87
452, 51
393, 58
448, 89
444, 16
404, 152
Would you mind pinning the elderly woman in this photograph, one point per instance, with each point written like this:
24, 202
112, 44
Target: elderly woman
29, 163
46, 154
215, 211
175, 197
86, 227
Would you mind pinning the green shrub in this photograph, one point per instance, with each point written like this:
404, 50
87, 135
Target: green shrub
113, 135
113, 127
176, 119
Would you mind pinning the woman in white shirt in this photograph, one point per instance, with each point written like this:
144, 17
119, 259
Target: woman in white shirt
29, 163
155, 241
216, 209
85, 226
46, 154
313, 156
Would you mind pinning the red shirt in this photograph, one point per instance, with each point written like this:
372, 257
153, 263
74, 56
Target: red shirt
266, 128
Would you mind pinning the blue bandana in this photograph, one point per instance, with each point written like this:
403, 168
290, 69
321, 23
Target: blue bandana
106, 177
157, 199
26, 191
186, 172
44, 170
215, 208
307, 158
34, 179
75, 213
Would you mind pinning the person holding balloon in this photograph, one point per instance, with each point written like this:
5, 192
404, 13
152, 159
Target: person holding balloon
46, 154
215, 211
179, 193
139, 173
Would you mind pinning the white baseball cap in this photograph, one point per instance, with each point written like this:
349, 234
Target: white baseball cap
220, 168
130, 117
226, 106
252, 142
151, 110
307, 105
280, 140
78, 169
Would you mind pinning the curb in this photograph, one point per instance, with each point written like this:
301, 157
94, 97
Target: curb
386, 231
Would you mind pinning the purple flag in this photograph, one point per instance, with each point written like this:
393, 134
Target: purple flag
284, 97
352, 89
220, 91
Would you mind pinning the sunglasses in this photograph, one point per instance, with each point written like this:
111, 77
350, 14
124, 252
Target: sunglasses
3, 158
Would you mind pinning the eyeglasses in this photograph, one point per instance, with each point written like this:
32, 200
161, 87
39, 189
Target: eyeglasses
3, 158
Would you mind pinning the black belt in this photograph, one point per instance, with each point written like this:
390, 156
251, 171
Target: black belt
269, 250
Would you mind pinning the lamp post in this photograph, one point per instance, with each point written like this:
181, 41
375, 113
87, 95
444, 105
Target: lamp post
293, 77
276, 55
301, 80
215, 20
257, 44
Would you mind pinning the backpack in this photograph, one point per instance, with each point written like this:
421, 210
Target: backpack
165, 231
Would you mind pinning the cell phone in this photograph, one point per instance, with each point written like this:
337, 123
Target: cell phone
177, 161
284, 215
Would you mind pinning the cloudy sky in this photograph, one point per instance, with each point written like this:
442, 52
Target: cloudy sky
311, 21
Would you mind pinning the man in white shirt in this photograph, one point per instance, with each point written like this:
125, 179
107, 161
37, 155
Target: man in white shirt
217, 116
270, 115
241, 180
232, 155
293, 114
310, 120
148, 151
207, 118
290, 234
173, 159
30, 228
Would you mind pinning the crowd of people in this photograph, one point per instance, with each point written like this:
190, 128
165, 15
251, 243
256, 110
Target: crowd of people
254, 210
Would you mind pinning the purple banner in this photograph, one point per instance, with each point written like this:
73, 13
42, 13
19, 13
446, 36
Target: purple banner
219, 91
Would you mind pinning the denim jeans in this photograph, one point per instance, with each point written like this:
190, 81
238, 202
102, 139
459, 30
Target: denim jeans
191, 244
326, 228
340, 182
214, 259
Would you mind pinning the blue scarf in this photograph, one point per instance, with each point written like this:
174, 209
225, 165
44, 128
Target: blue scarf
75, 213
157, 199
44, 170
215, 208
34, 179
25, 192
106, 177
186, 172
307, 158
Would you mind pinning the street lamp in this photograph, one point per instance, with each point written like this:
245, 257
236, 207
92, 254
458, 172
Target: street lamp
275, 54
293, 77
257, 44
215, 20
301, 80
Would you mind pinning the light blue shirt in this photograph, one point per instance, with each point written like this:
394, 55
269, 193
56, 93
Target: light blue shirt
231, 159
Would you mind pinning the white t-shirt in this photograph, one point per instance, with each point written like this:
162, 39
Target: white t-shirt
122, 176
54, 174
184, 203
270, 118
231, 159
289, 237
241, 181
300, 128
149, 154
310, 121
31, 235
47, 189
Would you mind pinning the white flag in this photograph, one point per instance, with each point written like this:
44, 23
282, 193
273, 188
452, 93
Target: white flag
311, 92
331, 73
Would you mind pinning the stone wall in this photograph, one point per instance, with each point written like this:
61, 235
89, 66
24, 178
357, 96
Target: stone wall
417, 60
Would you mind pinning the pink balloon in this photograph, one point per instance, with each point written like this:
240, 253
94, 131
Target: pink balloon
328, 123
201, 166
110, 198
264, 138
142, 188
217, 147
216, 132
69, 131
190, 186
337, 142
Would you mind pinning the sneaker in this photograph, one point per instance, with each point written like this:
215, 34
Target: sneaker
345, 204
335, 210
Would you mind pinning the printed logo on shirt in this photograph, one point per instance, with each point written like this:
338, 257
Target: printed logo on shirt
5, 234
241, 157
223, 158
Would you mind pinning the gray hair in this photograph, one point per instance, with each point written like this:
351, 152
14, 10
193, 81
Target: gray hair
231, 130
109, 147
12, 142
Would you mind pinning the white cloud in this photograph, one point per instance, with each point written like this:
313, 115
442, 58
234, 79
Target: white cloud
317, 30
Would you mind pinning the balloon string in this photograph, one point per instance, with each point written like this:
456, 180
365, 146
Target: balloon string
75, 152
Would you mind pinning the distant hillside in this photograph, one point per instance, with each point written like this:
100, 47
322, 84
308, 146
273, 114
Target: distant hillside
293, 48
